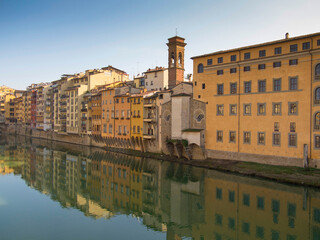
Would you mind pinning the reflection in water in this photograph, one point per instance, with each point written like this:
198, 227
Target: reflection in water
183, 201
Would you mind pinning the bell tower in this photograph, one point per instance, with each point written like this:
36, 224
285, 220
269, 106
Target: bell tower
176, 60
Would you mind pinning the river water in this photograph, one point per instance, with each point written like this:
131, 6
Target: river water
52, 190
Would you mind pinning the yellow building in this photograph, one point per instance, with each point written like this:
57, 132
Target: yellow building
263, 101
137, 116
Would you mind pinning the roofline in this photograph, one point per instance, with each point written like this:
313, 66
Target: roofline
258, 45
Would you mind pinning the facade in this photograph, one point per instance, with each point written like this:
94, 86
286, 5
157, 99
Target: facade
139, 81
262, 101
96, 113
156, 79
137, 116
122, 116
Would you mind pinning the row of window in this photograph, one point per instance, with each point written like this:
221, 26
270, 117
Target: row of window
261, 137
262, 53
261, 109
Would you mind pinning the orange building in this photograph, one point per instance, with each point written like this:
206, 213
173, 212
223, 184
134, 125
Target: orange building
122, 116
96, 113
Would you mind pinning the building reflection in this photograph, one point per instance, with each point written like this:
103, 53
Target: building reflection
183, 201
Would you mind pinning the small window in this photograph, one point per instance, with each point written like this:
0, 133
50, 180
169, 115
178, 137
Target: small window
293, 62
246, 199
318, 42
317, 145
292, 140
200, 68
276, 127
231, 196
233, 109
294, 48
233, 58
260, 203
246, 137
276, 64
262, 86
233, 70
209, 61
219, 136
292, 108
246, 227
220, 89
247, 87
247, 55
219, 72
262, 53
293, 127
246, 109
261, 138
220, 59
317, 71
306, 46
276, 108
261, 109
232, 137
203, 86
220, 109
233, 88
262, 66
317, 96
218, 193
278, 50
246, 69
195, 83
276, 139
277, 85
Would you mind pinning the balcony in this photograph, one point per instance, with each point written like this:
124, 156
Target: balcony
149, 105
149, 136
149, 118
84, 110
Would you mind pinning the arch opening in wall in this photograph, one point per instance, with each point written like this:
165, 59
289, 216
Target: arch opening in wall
200, 68
317, 121
180, 59
317, 96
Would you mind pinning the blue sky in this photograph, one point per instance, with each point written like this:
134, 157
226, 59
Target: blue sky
42, 39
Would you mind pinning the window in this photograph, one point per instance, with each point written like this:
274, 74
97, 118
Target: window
293, 62
260, 203
219, 72
275, 235
246, 137
220, 59
200, 68
246, 227
275, 205
203, 86
246, 199
276, 64
317, 141
316, 215
110, 128
276, 139
232, 137
317, 96
306, 46
293, 108
246, 68
219, 193
247, 55
233, 70
233, 88
277, 84
220, 89
318, 42
291, 210
276, 108
218, 219
292, 140
292, 127
278, 50
261, 109
261, 138
317, 71
220, 110
246, 109
209, 61
262, 66
233, 58
195, 83
219, 136
247, 87
233, 109
293, 83
276, 127
262, 53
294, 48
260, 232
231, 196
262, 86
231, 223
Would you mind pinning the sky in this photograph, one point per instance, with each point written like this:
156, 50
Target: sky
42, 39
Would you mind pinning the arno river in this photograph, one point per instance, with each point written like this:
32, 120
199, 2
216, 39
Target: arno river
52, 190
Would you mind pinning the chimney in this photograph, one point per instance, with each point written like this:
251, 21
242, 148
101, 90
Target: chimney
287, 35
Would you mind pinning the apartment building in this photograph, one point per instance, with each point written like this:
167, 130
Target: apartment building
96, 112
136, 103
156, 79
263, 101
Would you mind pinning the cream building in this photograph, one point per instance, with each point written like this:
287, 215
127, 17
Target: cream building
156, 79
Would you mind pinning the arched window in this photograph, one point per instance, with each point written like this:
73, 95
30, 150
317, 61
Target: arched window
317, 70
317, 96
200, 68
172, 57
180, 58
317, 121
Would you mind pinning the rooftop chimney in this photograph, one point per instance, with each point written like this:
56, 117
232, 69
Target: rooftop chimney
287, 35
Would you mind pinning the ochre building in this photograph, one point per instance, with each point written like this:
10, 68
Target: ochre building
263, 101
